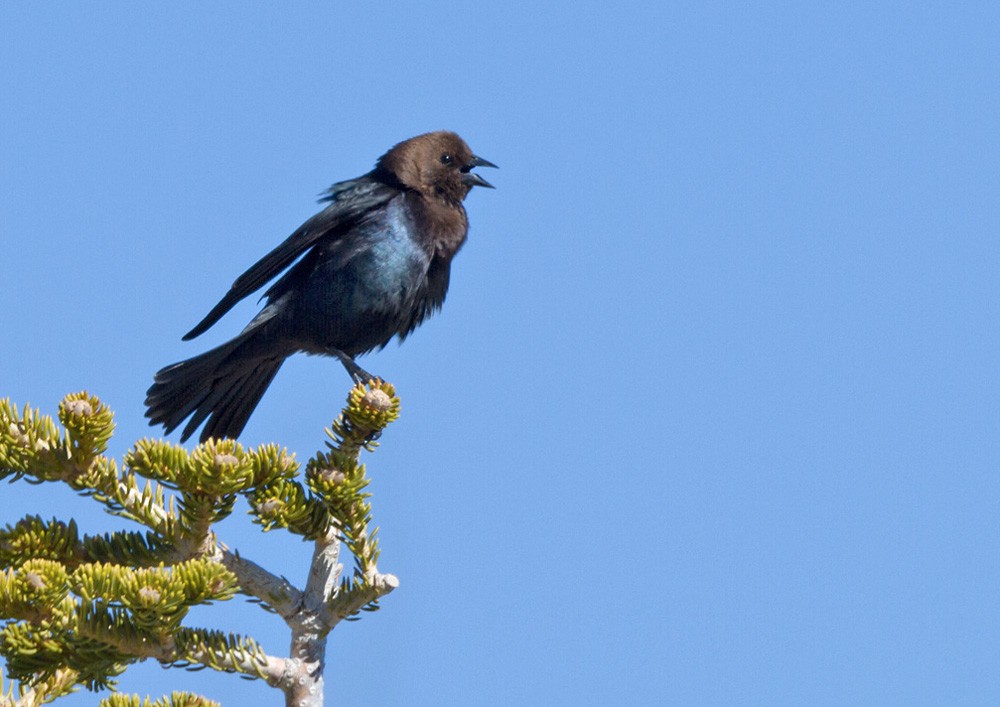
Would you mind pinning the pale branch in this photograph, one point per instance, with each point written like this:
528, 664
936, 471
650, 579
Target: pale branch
277, 592
310, 625
357, 596
324, 571
270, 668
165, 649
302, 682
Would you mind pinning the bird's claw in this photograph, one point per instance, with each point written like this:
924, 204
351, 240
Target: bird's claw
362, 377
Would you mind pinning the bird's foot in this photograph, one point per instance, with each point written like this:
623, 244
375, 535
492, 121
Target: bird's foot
356, 372
362, 376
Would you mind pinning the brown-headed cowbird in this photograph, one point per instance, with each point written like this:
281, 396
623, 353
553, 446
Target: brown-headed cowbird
375, 263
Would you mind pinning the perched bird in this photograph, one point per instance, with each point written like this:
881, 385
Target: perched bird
375, 263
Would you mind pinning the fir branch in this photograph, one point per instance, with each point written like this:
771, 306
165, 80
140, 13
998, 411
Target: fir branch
324, 572
275, 592
176, 699
61, 682
354, 597
79, 610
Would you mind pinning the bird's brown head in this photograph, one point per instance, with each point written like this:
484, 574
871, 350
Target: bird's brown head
438, 165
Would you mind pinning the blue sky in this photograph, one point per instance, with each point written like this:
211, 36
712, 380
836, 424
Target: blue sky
710, 414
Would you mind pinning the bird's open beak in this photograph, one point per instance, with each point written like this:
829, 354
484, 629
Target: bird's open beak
480, 162
474, 180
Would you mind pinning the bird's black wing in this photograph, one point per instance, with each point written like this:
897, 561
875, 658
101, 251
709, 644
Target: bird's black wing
348, 201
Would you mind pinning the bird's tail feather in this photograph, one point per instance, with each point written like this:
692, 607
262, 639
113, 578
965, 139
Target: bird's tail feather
222, 385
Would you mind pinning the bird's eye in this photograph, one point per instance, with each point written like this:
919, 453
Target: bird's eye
446, 158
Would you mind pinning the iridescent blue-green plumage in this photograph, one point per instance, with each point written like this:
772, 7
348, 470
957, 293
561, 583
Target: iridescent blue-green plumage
372, 265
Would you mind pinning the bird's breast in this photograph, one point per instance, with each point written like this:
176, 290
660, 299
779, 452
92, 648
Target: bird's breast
365, 286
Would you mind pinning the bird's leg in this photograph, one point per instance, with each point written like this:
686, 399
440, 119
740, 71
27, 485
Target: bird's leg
361, 376
356, 372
